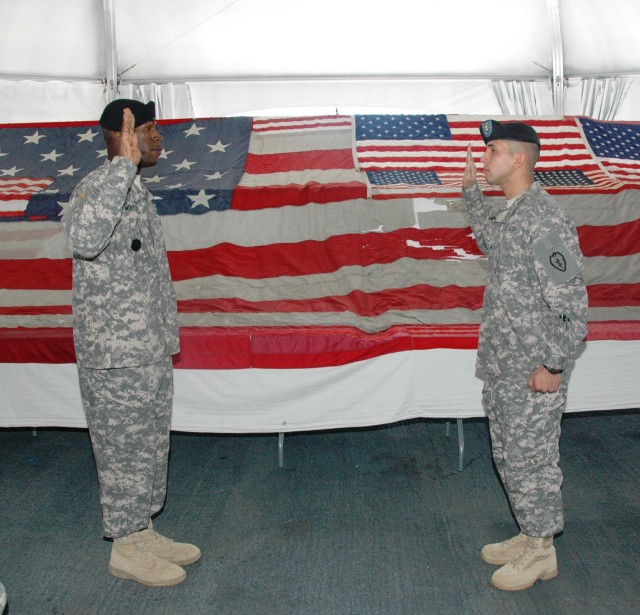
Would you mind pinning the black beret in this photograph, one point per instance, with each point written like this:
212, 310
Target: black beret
111, 117
510, 131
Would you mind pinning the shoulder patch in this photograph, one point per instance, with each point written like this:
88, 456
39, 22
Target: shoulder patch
552, 253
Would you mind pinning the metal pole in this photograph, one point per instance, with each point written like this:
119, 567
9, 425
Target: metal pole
110, 51
557, 75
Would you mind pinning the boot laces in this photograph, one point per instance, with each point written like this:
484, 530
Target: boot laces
526, 555
522, 559
513, 540
144, 551
159, 539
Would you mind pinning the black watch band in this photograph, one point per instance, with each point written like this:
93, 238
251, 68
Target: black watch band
553, 370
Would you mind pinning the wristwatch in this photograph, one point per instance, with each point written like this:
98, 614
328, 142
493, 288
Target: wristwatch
553, 370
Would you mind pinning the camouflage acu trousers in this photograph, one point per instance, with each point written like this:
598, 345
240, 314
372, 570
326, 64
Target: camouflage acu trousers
525, 434
128, 412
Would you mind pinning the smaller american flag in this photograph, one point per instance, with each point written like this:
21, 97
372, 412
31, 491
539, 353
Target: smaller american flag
15, 192
616, 145
425, 155
563, 178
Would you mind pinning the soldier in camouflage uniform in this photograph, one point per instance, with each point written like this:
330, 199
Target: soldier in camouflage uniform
534, 319
125, 331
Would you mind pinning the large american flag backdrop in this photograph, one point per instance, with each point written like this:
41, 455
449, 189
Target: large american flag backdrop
298, 242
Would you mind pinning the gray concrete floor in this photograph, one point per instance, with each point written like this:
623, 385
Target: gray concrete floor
358, 522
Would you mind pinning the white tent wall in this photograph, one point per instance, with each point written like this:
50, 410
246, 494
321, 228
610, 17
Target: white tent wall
54, 101
64, 61
339, 96
51, 101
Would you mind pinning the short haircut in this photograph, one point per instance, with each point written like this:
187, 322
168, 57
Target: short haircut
530, 150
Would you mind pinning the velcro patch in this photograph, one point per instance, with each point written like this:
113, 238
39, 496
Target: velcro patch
552, 253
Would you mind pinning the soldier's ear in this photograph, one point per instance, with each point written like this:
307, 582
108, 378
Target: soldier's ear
520, 159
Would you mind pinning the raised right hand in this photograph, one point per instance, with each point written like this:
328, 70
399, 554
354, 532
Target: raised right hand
469, 177
128, 143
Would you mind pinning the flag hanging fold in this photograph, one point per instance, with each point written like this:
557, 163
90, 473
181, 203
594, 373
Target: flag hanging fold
311, 241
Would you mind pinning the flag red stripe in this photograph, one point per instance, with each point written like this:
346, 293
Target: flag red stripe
622, 165
37, 345
29, 310
300, 126
619, 330
309, 257
259, 164
614, 240
246, 199
280, 347
613, 295
268, 355
45, 273
276, 124
418, 297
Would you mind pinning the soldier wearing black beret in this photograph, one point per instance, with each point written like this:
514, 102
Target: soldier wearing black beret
534, 317
111, 117
492, 130
125, 329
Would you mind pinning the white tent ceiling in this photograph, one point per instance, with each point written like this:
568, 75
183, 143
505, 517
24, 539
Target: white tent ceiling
250, 57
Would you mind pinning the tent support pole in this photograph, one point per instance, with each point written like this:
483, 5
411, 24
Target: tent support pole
110, 51
557, 74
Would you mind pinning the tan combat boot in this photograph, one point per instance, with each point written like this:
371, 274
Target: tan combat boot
536, 561
132, 559
180, 553
501, 553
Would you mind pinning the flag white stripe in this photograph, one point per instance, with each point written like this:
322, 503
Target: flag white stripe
18, 205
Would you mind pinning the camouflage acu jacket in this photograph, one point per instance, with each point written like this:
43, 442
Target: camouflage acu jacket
124, 304
535, 301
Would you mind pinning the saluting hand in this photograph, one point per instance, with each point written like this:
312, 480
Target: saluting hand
128, 143
469, 177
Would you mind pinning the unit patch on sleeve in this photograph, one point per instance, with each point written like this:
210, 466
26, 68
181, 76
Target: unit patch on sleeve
552, 253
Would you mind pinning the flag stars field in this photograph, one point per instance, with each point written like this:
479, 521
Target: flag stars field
185, 164
89, 136
218, 147
201, 199
70, 170
34, 138
153, 180
193, 131
10, 172
52, 156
